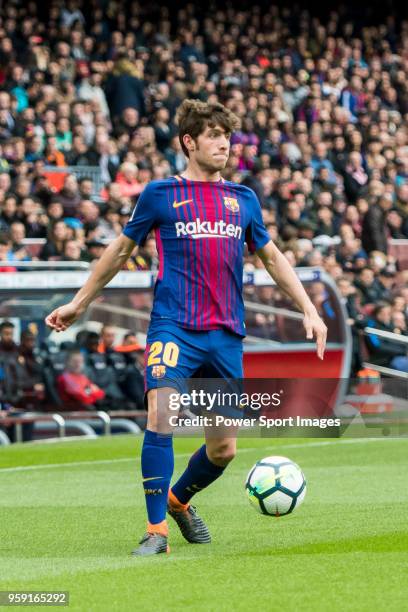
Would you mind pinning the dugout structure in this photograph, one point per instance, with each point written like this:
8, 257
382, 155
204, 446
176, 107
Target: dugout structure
275, 347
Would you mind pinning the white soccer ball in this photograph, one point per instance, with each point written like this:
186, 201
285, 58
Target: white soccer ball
275, 486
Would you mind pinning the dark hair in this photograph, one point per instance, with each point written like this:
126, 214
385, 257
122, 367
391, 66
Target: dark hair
380, 306
128, 335
91, 335
194, 116
81, 336
26, 334
51, 229
6, 325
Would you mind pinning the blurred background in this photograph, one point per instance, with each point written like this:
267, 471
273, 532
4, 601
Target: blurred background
88, 95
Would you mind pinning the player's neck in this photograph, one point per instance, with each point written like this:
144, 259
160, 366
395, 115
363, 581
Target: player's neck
193, 172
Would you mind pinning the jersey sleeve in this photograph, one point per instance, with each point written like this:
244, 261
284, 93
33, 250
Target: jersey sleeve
144, 217
256, 235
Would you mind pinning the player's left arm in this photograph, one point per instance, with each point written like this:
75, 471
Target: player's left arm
283, 274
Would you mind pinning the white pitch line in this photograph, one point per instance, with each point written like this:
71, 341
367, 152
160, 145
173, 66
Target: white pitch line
51, 466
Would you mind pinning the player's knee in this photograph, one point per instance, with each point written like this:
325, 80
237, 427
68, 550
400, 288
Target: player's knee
222, 454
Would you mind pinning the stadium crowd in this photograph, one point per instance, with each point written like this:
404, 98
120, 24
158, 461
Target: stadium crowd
92, 372
323, 142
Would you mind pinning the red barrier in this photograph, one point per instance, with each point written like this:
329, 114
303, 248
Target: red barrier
308, 387
293, 364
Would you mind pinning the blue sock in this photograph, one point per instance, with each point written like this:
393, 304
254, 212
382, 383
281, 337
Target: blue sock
199, 473
157, 470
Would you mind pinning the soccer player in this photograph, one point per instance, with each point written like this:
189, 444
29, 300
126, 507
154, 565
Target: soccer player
201, 223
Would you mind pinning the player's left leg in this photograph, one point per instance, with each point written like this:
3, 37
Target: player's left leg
205, 466
208, 463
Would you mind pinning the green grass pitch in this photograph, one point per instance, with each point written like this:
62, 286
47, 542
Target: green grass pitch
71, 525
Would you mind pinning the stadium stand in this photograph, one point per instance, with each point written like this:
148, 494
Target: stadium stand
37, 377
88, 96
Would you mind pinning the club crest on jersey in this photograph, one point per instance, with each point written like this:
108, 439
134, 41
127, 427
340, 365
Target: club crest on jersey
231, 204
158, 371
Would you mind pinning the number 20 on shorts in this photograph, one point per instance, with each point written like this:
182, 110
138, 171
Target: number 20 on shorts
163, 353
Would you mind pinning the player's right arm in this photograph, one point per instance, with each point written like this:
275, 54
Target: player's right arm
112, 260
145, 216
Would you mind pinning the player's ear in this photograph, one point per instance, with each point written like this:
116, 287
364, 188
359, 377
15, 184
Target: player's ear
189, 143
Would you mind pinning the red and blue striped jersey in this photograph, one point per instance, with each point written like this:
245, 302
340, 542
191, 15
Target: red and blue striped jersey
200, 229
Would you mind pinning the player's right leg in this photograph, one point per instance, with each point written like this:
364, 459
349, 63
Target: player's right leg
157, 469
172, 356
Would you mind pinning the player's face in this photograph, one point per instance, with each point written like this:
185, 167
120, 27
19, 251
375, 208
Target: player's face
212, 150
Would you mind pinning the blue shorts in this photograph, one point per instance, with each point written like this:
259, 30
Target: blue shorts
174, 354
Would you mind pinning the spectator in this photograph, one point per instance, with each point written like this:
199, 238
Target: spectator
124, 88
356, 319
8, 348
323, 107
107, 339
129, 343
52, 155
127, 180
33, 218
321, 161
399, 323
385, 352
9, 212
54, 247
175, 156
55, 211
17, 235
369, 286
355, 177
74, 387
373, 235
69, 196
95, 249
86, 187
91, 89
32, 365
386, 281
352, 97
163, 130
90, 342
147, 257
5, 254
79, 153
72, 251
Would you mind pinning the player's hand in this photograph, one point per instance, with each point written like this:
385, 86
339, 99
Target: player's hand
314, 326
64, 316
